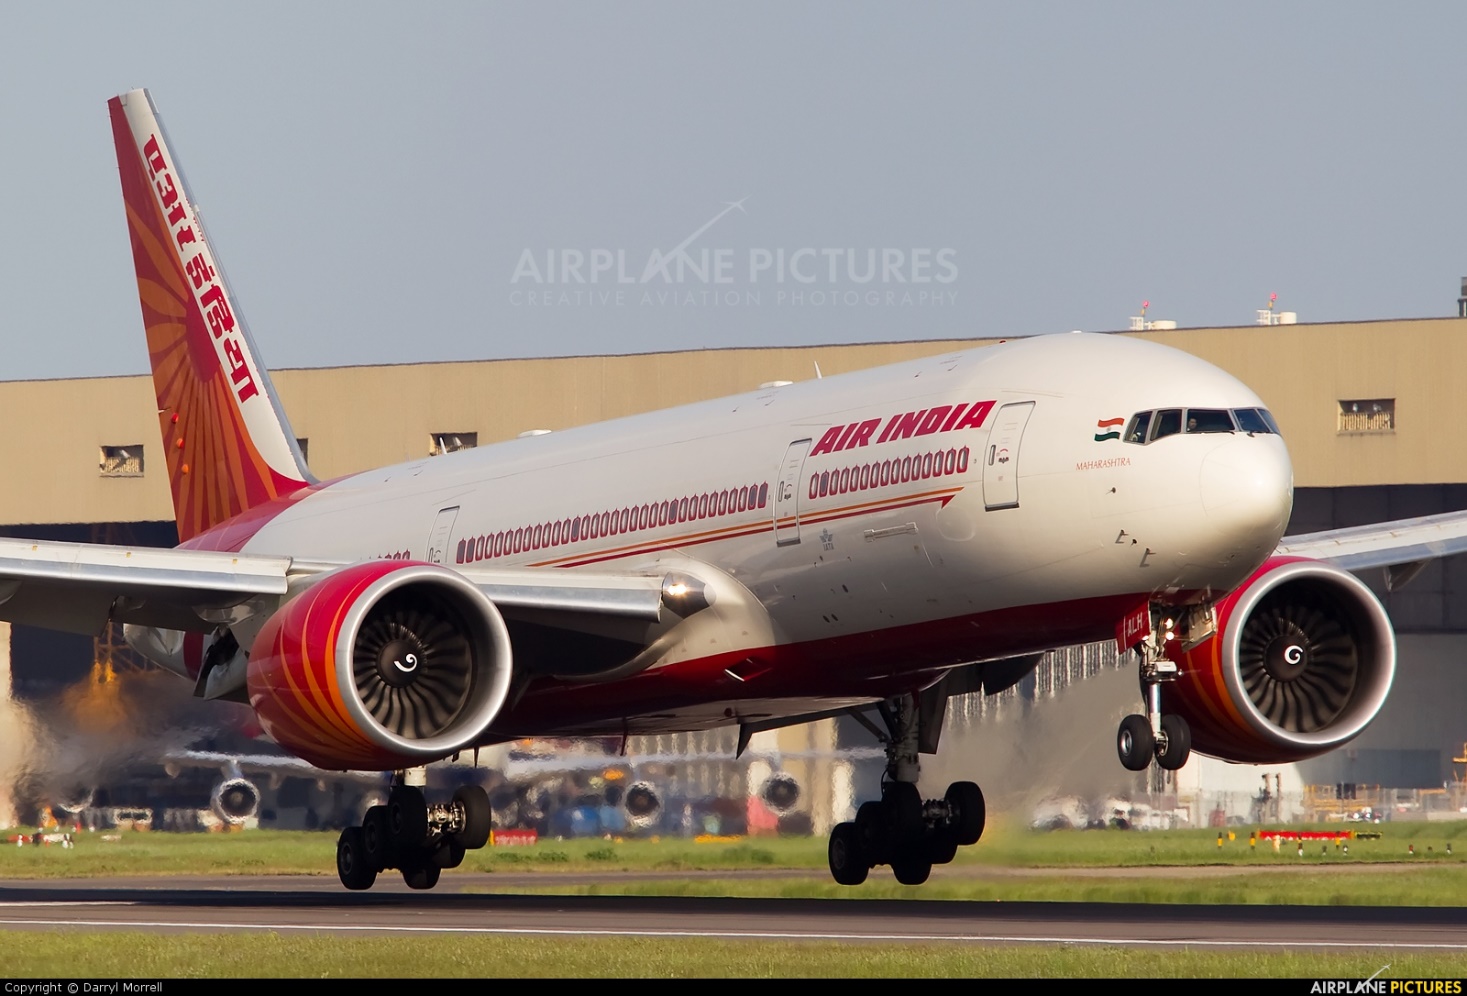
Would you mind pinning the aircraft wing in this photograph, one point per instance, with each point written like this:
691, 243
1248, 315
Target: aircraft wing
1402, 546
79, 587
263, 764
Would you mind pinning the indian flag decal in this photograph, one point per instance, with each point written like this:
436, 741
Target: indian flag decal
1110, 428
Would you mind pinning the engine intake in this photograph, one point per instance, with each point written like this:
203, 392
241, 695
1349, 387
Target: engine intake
235, 800
381, 665
1301, 661
781, 792
643, 805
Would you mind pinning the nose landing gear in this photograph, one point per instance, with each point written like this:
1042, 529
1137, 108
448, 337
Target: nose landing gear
901, 829
1167, 738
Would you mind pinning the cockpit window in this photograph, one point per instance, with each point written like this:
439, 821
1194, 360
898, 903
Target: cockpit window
1250, 420
1168, 423
1209, 420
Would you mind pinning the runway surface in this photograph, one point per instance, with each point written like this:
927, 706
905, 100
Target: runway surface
320, 905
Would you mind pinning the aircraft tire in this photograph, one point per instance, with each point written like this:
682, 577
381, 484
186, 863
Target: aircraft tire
478, 817
903, 805
847, 855
968, 811
1178, 742
421, 875
911, 870
871, 828
942, 848
352, 865
1134, 743
449, 853
407, 817
376, 840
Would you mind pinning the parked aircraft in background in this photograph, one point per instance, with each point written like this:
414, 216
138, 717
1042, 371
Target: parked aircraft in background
180, 786
586, 788
868, 543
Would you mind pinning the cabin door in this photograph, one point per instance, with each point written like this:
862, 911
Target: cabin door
1001, 459
787, 494
442, 530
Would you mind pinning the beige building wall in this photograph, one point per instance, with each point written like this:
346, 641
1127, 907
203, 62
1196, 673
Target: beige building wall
1303, 372
51, 434
12, 736
355, 418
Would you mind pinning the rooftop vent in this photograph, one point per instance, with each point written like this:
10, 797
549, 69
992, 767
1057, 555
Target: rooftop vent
440, 443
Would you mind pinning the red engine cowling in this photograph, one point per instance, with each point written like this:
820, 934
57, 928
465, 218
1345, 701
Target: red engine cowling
1301, 661
381, 665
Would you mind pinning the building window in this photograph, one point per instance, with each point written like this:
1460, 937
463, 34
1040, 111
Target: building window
448, 442
1369, 415
121, 461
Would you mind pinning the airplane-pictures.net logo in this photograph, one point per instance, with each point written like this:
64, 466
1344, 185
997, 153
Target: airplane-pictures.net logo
695, 274
1387, 987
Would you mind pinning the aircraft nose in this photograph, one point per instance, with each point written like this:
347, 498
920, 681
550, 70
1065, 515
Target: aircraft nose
1248, 490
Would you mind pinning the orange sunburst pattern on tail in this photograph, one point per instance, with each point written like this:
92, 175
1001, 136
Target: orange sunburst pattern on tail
215, 469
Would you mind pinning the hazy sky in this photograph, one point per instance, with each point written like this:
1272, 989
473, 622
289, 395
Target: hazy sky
383, 182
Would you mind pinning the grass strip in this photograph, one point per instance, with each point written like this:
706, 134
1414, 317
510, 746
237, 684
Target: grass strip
139, 956
1342, 887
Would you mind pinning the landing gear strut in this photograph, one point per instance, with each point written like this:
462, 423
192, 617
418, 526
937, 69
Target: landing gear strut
1167, 738
415, 837
901, 829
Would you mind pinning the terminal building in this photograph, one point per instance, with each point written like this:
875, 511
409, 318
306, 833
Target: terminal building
1371, 413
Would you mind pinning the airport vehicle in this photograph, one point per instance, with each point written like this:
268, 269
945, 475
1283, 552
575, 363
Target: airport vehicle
872, 542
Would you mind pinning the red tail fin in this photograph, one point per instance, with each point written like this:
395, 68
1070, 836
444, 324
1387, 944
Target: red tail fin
228, 445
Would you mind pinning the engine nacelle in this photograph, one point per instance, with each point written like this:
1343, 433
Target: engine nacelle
74, 800
1300, 662
381, 665
235, 800
781, 792
643, 805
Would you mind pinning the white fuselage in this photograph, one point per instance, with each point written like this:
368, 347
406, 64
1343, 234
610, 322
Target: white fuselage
1027, 531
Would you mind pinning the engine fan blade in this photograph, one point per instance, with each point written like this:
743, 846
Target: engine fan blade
1298, 664
413, 666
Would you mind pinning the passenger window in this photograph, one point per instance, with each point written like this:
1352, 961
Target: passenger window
1136, 431
1209, 420
1249, 420
1168, 423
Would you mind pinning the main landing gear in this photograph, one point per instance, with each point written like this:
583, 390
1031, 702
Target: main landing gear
417, 838
903, 830
1167, 738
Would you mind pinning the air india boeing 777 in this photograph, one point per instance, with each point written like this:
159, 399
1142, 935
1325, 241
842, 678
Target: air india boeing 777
873, 542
